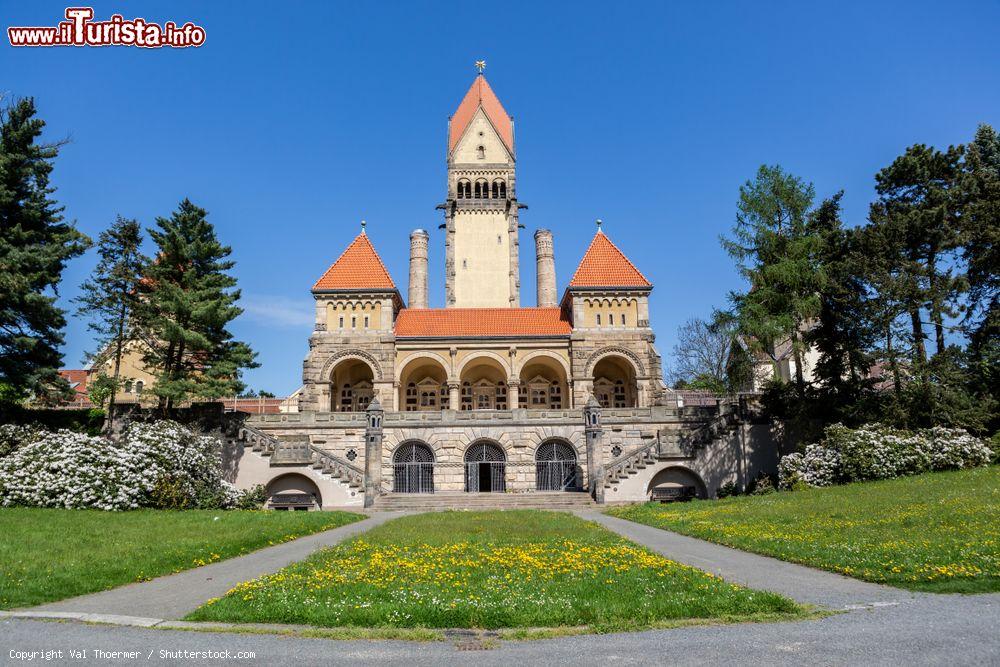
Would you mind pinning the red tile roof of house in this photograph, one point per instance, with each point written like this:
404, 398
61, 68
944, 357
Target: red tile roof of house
77, 380
481, 95
464, 322
604, 265
359, 267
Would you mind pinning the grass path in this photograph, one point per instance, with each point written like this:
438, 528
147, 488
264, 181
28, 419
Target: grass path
938, 532
50, 554
511, 569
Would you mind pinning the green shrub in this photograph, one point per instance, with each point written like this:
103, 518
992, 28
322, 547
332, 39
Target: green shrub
728, 489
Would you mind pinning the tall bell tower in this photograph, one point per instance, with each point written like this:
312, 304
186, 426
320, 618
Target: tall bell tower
481, 240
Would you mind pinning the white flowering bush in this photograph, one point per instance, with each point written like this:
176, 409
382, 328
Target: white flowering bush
13, 436
161, 464
875, 451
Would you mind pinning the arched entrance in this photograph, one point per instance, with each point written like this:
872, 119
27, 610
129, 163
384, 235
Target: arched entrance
413, 468
556, 468
485, 468
293, 492
677, 481
351, 386
615, 383
423, 386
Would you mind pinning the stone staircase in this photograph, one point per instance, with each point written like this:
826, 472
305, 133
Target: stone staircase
683, 446
293, 453
457, 500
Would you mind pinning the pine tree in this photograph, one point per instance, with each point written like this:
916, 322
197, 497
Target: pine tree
35, 244
774, 250
110, 296
188, 299
845, 330
919, 212
981, 252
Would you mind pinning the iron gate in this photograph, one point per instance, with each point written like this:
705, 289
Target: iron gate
556, 468
413, 469
485, 468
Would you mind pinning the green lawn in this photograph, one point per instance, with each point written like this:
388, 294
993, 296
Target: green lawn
51, 554
490, 570
936, 532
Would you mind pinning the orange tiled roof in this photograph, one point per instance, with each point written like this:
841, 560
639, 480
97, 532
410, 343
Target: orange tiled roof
448, 322
604, 265
481, 95
359, 267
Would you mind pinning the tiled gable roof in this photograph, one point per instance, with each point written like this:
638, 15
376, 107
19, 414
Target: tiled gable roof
604, 265
358, 267
462, 322
481, 95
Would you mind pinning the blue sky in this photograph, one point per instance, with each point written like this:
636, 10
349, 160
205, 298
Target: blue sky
296, 120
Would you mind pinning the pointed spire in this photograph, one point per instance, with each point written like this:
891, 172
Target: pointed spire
358, 267
604, 265
480, 95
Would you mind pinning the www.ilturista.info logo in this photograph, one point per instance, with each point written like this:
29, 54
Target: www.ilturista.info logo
80, 30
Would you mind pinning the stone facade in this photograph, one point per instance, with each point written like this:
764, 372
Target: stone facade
483, 391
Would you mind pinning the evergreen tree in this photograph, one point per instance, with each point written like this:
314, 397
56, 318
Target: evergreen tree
918, 214
981, 252
35, 244
774, 249
110, 296
188, 299
844, 332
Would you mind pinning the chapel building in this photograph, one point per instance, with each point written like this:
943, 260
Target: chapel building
483, 350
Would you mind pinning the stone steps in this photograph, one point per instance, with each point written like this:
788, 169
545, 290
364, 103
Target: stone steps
430, 502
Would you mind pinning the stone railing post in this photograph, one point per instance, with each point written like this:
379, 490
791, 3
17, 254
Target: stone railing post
595, 448
373, 451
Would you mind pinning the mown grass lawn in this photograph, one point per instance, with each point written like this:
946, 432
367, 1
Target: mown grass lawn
51, 554
489, 570
937, 532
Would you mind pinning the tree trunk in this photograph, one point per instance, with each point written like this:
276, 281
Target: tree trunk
800, 382
919, 353
168, 364
119, 344
893, 364
935, 304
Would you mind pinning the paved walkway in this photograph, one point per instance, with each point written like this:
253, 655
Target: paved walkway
803, 584
176, 595
929, 630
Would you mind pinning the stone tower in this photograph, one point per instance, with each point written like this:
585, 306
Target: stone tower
481, 240
418, 269
545, 269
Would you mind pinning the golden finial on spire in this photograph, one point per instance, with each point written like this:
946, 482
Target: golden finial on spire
480, 65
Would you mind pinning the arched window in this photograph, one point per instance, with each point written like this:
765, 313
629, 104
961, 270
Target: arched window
445, 397
496, 189
138, 386
128, 387
481, 152
346, 398
620, 401
411, 397
555, 395
598, 319
479, 190
503, 190
501, 403
466, 396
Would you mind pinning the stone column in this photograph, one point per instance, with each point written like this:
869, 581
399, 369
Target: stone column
595, 449
454, 398
449, 258
418, 269
545, 269
373, 451
513, 393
